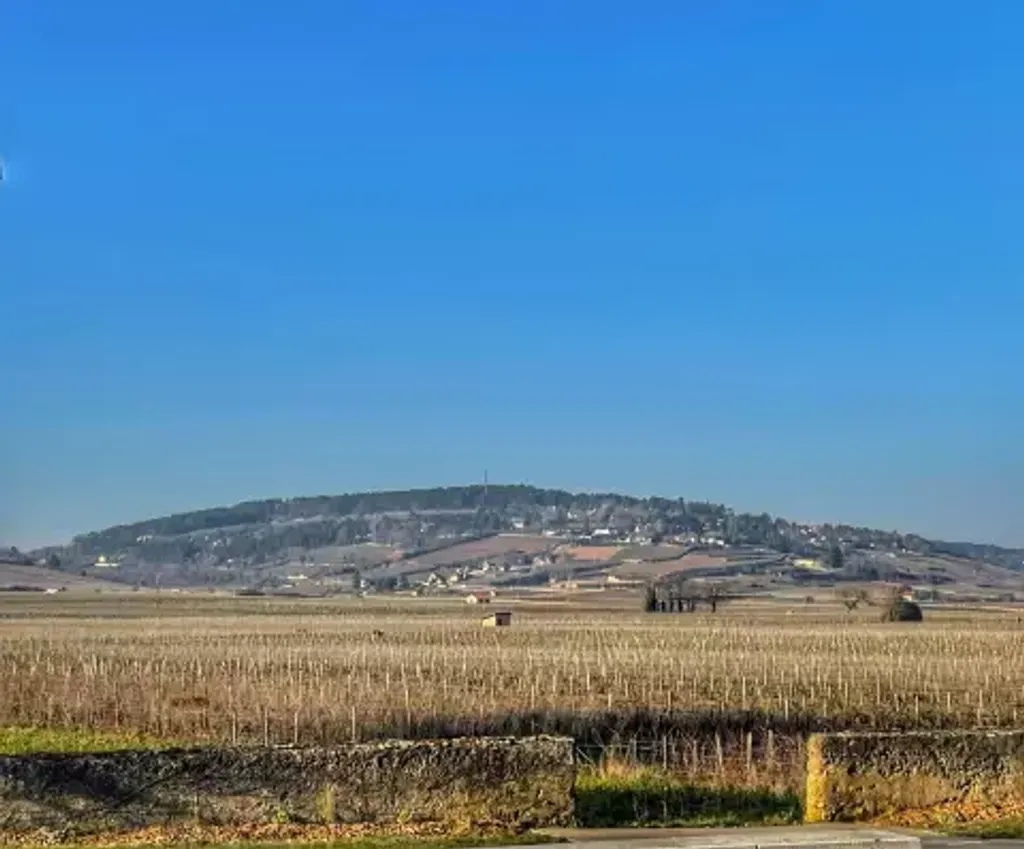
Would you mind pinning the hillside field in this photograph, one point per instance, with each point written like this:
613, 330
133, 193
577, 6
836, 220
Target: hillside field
718, 697
39, 578
489, 547
652, 570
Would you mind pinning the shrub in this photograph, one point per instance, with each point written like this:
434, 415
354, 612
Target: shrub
901, 610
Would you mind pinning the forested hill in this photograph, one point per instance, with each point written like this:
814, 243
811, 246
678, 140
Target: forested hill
256, 530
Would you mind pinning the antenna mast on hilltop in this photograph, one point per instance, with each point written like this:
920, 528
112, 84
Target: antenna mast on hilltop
484, 504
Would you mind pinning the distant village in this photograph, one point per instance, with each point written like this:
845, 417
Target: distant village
431, 542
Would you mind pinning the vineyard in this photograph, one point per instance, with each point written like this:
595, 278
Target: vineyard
725, 698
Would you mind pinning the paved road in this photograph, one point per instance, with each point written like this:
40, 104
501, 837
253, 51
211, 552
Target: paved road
967, 843
830, 836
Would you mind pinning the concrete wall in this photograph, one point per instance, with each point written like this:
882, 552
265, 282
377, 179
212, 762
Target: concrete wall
517, 783
872, 776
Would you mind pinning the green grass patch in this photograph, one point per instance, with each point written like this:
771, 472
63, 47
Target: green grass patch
649, 797
27, 741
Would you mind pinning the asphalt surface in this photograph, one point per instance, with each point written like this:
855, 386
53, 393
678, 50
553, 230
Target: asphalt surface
825, 836
955, 842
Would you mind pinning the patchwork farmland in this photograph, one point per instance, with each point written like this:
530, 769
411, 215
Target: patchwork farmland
494, 546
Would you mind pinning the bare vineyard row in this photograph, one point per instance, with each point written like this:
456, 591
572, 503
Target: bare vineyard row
710, 696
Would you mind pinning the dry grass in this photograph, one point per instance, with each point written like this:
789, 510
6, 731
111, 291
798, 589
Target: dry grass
725, 697
278, 836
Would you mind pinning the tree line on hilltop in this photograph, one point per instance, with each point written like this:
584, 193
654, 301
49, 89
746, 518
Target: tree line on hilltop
254, 531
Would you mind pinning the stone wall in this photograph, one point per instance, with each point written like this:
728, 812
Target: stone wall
875, 776
514, 783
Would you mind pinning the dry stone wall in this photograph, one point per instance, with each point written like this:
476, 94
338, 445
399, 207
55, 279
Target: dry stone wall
515, 783
874, 776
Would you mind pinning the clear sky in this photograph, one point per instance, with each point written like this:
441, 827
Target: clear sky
764, 253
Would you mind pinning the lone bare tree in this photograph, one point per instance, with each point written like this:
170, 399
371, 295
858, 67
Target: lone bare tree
715, 595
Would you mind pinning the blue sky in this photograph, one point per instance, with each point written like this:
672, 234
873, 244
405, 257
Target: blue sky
759, 253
